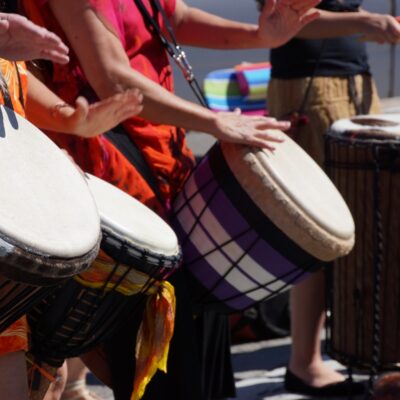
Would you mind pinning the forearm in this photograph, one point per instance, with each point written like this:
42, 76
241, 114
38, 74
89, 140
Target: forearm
199, 28
41, 104
160, 105
335, 24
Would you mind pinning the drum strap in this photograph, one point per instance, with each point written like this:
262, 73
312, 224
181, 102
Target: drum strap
172, 47
127, 146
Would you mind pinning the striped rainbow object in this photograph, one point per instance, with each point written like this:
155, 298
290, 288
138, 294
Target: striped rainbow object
243, 86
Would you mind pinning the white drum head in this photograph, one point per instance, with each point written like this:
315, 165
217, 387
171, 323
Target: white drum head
296, 195
128, 219
308, 187
45, 204
376, 126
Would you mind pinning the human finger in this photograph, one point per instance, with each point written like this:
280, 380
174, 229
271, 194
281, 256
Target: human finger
128, 105
81, 109
309, 17
51, 39
300, 5
54, 55
269, 7
4, 26
267, 139
271, 123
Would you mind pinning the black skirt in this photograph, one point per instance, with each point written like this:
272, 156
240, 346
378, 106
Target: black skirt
199, 362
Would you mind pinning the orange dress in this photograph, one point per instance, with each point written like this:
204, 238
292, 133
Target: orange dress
15, 337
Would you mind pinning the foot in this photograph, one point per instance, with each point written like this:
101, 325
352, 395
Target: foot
338, 388
77, 390
317, 375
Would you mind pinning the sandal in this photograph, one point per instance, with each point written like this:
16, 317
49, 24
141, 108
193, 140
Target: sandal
77, 390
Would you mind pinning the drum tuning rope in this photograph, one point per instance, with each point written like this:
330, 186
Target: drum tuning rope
197, 218
378, 262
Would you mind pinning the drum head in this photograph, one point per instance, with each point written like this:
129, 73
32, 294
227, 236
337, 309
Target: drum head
46, 208
367, 128
294, 192
126, 219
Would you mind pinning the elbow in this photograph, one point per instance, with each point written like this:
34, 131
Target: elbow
111, 80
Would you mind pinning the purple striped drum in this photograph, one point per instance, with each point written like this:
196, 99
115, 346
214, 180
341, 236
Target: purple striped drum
254, 222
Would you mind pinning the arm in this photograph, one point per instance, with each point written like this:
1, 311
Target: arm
278, 23
108, 70
48, 111
370, 26
21, 39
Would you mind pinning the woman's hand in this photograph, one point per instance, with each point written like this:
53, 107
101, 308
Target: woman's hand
251, 130
379, 28
91, 120
22, 40
280, 20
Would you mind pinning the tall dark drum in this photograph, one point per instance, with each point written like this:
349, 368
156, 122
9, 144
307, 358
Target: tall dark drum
363, 160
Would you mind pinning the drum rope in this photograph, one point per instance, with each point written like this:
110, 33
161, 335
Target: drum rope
378, 263
197, 213
219, 247
54, 347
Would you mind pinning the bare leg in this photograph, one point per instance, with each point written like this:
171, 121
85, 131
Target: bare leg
56, 388
76, 382
13, 378
307, 320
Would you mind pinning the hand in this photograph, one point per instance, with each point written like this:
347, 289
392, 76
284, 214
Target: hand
91, 120
380, 28
280, 20
22, 40
251, 130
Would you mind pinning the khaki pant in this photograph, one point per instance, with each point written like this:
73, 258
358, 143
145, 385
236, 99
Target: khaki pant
329, 99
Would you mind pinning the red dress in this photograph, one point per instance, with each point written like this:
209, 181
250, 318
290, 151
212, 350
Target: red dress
163, 146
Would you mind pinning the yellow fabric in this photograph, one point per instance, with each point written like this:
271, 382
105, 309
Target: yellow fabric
133, 283
153, 338
157, 326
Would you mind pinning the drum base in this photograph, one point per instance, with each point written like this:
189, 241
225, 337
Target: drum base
16, 298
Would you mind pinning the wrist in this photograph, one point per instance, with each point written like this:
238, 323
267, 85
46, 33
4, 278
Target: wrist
210, 123
61, 114
364, 21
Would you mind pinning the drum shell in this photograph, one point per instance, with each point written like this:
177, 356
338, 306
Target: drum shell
75, 318
363, 303
211, 197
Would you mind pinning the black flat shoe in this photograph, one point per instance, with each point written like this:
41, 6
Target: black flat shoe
345, 388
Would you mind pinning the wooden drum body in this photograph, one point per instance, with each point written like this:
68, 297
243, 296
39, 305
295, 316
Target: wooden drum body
138, 250
254, 222
363, 160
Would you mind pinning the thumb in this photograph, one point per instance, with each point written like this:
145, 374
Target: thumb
81, 108
268, 8
4, 26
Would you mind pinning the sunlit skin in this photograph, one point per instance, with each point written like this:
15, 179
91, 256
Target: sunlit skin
22, 40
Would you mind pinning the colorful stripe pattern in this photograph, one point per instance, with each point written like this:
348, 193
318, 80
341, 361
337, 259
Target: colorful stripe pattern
234, 255
244, 86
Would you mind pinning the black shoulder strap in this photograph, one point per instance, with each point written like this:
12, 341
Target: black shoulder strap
127, 146
171, 46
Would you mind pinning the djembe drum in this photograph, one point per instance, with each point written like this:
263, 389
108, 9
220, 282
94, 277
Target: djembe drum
138, 251
49, 225
254, 222
363, 160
